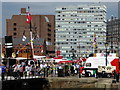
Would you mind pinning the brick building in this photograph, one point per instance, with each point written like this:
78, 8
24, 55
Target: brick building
43, 26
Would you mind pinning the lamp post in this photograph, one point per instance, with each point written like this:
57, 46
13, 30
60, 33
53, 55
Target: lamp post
79, 51
27, 51
106, 45
1, 53
117, 73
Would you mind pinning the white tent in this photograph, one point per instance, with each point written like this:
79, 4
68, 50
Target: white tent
20, 58
38, 57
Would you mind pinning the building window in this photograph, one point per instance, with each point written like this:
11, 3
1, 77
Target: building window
15, 29
59, 12
49, 39
49, 34
96, 25
49, 30
49, 25
63, 15
14, 24
75, 32
63, 8
89, 25
14, 33
80, 8
58, 19
91, 8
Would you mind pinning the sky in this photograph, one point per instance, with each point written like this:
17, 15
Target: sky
60, 0
9, 8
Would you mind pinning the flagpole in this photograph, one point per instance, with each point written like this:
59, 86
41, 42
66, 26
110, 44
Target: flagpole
31, 38
95, 45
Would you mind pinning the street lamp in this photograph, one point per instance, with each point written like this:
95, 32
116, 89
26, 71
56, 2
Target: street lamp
0, 53
117, 73
106, 45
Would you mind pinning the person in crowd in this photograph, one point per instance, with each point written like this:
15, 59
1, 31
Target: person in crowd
27, 70
60, 70
38, 69
72, 69
15, 74
21, 71
66, 70
46, 69
32, 70
81, 69
77, 67
53, 69
3, 68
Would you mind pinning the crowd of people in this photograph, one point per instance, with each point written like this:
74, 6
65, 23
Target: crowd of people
45, 69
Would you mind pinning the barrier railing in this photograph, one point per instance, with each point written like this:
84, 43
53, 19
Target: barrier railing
45, 72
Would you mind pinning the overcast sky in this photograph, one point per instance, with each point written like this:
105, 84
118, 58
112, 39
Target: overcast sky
9, 8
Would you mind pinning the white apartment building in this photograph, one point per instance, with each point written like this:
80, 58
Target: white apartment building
78, 26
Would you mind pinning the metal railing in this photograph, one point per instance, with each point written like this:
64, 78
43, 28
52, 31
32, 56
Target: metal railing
43, 73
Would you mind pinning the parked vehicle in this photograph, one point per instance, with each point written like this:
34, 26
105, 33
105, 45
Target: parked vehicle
97, 65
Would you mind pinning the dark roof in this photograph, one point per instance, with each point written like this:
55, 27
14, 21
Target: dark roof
16, 41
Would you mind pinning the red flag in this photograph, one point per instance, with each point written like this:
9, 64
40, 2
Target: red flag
58, 53
35, 60
115, 62
28, 18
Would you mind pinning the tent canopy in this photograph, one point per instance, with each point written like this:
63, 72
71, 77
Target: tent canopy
35, 56
38, 57
20, 58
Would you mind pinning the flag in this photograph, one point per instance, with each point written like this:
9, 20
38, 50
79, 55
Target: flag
28, 17
37, 36
48, 43
17, 52
42, 51
24, 37
94, 41
46, 19
35, 60
58, 52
